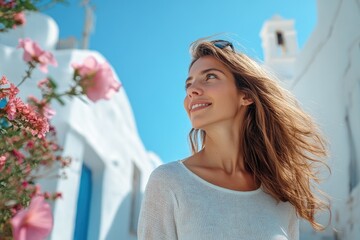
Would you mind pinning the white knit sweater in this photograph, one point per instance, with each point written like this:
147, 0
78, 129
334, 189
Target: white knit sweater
178, 204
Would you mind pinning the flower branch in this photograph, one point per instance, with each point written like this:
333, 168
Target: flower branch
28, 144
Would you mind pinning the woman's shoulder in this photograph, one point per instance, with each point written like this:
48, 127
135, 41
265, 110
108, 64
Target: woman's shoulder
166, 174
166, 169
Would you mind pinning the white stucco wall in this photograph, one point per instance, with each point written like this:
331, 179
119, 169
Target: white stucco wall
327, 83
101, 135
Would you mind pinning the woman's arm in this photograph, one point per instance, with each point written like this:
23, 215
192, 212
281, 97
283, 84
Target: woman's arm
156, 220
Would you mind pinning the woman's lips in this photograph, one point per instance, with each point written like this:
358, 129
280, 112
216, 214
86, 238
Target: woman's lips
199, 106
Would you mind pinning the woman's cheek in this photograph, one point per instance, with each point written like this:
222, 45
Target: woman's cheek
186, 104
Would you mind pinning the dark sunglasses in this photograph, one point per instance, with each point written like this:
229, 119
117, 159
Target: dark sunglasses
223, 44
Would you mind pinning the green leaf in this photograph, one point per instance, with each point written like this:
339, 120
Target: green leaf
60, 100
28, 5
83, 100
53, 84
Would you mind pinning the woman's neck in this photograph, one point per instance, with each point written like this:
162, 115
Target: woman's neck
223, 149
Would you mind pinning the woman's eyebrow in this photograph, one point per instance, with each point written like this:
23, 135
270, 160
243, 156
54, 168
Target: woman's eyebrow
205, 71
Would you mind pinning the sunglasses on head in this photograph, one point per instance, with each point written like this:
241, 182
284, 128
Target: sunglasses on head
223, 44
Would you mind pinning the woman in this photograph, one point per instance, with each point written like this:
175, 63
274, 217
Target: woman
252, 176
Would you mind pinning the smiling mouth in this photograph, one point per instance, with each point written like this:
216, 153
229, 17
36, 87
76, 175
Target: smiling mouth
199, 106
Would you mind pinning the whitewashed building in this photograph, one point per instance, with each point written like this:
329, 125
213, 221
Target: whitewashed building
325, 77
110, 168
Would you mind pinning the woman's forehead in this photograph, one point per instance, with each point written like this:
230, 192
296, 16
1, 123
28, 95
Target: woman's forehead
207, 62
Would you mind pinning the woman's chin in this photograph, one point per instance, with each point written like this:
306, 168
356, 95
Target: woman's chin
198, 126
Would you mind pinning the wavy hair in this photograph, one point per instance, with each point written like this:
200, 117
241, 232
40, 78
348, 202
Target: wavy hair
283, 147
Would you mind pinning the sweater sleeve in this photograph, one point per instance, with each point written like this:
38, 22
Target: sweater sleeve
156, 219
293, 225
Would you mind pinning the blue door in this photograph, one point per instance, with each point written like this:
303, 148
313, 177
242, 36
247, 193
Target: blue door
83, 204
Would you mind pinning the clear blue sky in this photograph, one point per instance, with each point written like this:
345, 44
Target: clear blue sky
147, 44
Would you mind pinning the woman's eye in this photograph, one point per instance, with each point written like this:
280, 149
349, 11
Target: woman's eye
211, 76
187, 85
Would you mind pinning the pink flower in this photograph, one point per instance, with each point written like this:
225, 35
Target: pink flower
10, 109
33, 223
35, 123
25, 184
32, 52
27, 169
13, 91
10, 92
97, 79
3, 80
30, 145
2, 162
57, 195
48, 112
18, 155
43, 82
42, 107
7, 3
36, 191
46, 195
19, 18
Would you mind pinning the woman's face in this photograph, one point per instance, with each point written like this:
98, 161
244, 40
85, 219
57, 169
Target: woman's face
211, 94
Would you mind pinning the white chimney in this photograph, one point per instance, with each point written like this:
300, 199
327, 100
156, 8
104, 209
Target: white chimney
280, 46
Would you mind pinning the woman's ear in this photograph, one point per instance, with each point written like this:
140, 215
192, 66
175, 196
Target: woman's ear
245, 99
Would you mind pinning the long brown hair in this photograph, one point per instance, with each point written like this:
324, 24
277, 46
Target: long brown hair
283, 147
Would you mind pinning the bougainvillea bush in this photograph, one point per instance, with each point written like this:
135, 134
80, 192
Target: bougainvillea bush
28, 145
12, 11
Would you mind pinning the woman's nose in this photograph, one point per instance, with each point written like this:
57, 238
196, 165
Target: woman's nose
194, 90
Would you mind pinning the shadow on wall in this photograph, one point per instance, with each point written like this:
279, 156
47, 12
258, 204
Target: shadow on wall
96, 165
121, 225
